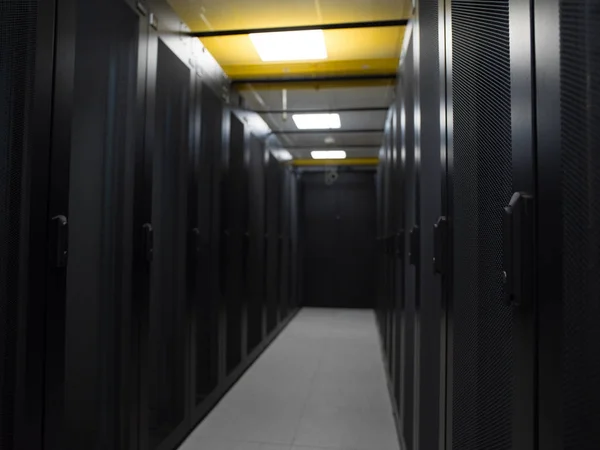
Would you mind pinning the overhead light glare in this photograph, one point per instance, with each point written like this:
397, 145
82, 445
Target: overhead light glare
317, 121
328, 154
290, 45
282, 155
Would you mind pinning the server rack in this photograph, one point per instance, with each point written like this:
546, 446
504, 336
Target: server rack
27, 29
566, 76
112, 315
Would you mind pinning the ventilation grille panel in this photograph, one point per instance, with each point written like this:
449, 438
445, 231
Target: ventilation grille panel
483, 347
17, 56
580, 116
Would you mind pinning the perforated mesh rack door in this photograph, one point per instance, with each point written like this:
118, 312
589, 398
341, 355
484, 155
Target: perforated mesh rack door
18, 20
482, 340
580, 141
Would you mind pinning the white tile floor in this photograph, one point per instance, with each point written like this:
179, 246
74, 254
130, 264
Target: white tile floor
320, 385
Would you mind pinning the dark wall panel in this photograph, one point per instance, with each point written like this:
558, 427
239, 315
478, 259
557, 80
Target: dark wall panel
339, 239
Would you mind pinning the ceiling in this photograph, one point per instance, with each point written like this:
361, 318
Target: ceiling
366, 52
356, 144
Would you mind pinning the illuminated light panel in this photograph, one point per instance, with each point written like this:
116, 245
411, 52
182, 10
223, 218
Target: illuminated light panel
317, 121
282, 155
328, 154
290, 45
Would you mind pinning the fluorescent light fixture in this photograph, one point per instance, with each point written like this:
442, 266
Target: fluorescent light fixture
282, 155
290, 45
328, 154
317, 121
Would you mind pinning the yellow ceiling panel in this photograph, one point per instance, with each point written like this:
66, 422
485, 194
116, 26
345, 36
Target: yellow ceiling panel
350, 67
204, 15
342, 45
359, 51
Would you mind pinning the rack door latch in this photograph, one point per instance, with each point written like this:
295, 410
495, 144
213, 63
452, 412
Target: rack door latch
517, 270
60, 238
440, 253
414, 241
148, 242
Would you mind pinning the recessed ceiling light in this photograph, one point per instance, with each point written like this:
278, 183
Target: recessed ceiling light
290, 45
317, 121
282, 155
328, 154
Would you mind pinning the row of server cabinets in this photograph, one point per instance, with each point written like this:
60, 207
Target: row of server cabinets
489, 227
146, 233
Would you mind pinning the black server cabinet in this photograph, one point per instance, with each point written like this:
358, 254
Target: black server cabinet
391, 223
410, 292
490, 392
206, 313
294, 238
167, 344
567, 52
430, 371
284, 240
99, 82
233, 223
256, 251
27, 31
272, 241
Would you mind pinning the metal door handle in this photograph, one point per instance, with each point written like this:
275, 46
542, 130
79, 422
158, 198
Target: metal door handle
518, 248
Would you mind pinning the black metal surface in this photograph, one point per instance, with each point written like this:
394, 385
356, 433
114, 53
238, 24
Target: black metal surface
482, 386
284, 250
206, 339
549, 407
234, 230
18, 41
429, 374
167, 313
411, 218
397, 268
326, 26
272, 241
103, 136
580, 162
256, 193
119, 227
339, 240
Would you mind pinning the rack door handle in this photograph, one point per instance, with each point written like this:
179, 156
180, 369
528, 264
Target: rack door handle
518, 249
